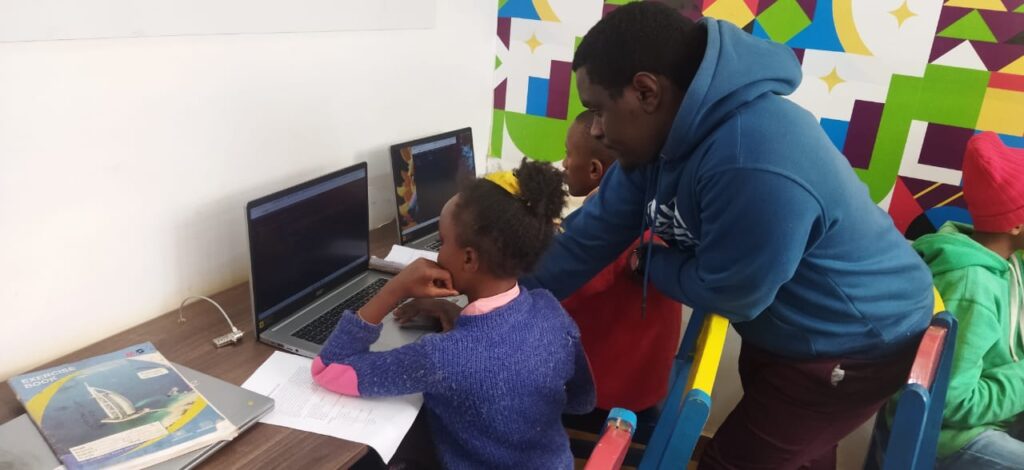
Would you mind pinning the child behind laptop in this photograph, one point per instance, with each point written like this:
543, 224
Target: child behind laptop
631, 351
496, 384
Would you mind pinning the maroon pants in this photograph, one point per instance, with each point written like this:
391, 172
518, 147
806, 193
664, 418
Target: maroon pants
793, 416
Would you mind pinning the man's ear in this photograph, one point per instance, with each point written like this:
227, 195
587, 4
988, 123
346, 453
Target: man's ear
648, 91
1017, 230
596, 171
470, 260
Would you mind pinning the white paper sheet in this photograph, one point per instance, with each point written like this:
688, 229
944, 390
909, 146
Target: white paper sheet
404, 255
300, 403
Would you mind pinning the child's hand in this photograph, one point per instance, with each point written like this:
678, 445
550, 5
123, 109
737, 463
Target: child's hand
443, 310
423, 279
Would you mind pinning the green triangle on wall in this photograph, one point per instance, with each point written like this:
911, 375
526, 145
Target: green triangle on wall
1019, 9
497, 62
972, 26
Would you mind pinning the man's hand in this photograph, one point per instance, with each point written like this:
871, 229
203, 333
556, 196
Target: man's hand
638, 261
638, 257
440, 309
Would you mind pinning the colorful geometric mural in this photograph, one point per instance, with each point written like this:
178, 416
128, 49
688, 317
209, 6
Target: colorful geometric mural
898, 85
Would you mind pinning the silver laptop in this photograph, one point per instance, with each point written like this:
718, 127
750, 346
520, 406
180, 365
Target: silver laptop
22, 447
427, 173
309, 248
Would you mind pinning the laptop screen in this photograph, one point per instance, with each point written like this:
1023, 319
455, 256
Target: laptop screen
306, 240
427, 173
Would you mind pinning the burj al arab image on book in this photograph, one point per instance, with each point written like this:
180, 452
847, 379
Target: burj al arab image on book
127, 409
117, 407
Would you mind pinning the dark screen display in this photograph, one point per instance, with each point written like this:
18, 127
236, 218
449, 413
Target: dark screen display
427, 174
306, 240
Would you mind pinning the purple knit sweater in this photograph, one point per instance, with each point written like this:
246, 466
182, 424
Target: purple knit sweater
494, 387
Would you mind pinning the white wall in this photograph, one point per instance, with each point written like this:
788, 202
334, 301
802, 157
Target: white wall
125, 164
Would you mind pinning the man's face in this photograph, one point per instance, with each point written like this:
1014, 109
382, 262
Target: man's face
578, 165
621, 124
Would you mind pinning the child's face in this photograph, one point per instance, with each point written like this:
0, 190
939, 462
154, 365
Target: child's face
451, 256
577, 164
1018, 238
582, 166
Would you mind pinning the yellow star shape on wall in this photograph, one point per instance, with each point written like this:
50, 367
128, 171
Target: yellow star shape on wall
902, 13
832, 79
533, 42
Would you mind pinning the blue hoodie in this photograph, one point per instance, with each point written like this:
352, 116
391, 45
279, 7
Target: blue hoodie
765, 220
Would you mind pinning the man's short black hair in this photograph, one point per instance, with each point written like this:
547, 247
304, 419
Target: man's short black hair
641, 37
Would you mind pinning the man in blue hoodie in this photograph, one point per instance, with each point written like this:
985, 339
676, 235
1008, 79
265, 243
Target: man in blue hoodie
765, 223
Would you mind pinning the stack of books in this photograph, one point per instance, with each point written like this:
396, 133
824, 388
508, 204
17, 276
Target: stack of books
127, 409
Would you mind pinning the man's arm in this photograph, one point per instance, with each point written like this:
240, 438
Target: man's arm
593, 238
756, 226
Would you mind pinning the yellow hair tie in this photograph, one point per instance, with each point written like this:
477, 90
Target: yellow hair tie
507, 180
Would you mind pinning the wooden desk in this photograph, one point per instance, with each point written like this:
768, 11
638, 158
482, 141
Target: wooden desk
189, 344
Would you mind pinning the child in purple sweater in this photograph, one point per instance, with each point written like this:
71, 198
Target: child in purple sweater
497, 381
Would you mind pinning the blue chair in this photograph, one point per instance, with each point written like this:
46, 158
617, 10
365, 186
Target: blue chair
688, 404
912, 440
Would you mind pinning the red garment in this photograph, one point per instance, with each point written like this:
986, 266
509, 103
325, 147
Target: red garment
630, 356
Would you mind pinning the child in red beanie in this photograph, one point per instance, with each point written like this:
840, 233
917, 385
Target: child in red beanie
977, 269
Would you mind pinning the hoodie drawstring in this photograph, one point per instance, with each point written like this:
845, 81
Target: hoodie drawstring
1016, 310
649, 240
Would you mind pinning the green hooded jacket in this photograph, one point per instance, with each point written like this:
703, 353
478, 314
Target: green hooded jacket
986, 389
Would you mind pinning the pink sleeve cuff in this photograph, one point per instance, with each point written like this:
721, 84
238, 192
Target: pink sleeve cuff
339, 378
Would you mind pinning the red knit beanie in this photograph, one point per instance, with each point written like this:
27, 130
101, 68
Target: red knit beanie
993, 183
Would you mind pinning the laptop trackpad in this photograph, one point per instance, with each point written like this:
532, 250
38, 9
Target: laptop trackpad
392, 335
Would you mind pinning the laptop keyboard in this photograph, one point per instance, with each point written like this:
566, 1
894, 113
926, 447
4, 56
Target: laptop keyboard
318, 330
433, 246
